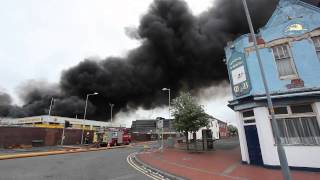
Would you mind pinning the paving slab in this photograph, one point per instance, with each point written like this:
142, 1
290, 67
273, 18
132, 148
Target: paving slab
223, 163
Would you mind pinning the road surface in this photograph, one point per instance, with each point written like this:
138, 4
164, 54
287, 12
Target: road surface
96, 165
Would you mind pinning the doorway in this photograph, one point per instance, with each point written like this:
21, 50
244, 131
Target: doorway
253, 145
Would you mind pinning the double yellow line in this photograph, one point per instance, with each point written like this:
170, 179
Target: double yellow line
143, 171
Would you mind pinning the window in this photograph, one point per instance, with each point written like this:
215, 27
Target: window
248, 114
284, 61
297, 128
248, 117
305, 108
280, 110
316, 41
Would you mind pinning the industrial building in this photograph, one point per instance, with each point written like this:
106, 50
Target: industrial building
289, 46
56, 122
146, 129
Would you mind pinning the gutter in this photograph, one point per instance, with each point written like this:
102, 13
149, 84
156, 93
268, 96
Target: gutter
288, 95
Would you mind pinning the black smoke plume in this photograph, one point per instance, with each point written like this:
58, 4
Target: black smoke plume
178, 50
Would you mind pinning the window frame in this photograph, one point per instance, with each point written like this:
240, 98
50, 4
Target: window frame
244, 119
295, 73
296, 115
315, 47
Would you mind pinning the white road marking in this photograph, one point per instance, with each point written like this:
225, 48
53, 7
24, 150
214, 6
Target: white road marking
142, 170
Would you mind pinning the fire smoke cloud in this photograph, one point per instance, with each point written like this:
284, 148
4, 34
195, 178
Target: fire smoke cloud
178, 50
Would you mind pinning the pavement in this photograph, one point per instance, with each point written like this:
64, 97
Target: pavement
28, 150
50, 150
223, 163
91, 165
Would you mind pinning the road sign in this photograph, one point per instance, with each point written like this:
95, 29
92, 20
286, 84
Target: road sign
160, 123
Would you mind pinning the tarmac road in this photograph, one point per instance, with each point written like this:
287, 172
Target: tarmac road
96, 165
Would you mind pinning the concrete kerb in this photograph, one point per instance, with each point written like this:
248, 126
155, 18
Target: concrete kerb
47, 153
171, 176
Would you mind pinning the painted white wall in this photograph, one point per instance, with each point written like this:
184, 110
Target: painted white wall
242, 138
214, 126
269, 155
298, 156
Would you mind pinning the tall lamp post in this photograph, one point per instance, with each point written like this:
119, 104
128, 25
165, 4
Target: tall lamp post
85, 113
51, 104
282, 155
111, 107
167, 89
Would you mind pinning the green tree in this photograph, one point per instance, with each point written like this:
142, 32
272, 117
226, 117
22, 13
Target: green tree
232, 130
188, 115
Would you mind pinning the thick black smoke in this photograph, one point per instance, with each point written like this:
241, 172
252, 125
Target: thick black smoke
178, 50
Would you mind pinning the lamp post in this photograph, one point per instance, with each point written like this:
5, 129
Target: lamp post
111, 107
51, 104
85, 113
167, 89
282, 155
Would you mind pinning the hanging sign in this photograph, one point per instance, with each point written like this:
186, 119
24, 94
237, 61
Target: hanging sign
238, 74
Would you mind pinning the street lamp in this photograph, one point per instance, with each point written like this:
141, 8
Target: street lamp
111, 107
167, 89
51, 104
282, 155
85, 113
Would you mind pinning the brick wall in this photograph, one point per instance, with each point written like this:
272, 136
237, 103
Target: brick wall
15, 136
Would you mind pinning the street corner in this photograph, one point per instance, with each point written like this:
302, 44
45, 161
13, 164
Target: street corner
221, 164
149, 170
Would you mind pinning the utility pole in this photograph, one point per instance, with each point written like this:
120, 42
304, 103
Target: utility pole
169, 99
51, 104
62, 137
85, 113
111, 107
282, 155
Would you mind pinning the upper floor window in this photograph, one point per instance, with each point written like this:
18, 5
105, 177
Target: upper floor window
316, 41
284, 61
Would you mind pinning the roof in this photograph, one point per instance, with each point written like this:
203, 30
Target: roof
56, 119
285, 10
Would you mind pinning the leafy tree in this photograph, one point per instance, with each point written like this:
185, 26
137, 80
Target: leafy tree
232, 130
188, 115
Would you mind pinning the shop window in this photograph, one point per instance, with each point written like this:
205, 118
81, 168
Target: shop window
316, 41
299, 129
284, 61
280, 110
306, 108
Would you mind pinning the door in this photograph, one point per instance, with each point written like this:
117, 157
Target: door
253, 145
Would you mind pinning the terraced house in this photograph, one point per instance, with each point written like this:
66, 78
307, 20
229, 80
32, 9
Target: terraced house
290, 50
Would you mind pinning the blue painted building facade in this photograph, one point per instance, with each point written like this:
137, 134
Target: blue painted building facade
289, 45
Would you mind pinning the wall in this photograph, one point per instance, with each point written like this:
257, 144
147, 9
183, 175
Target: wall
213, 125
306, 62
143, 137
303, 50
223, 130
15, 136
242, 139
